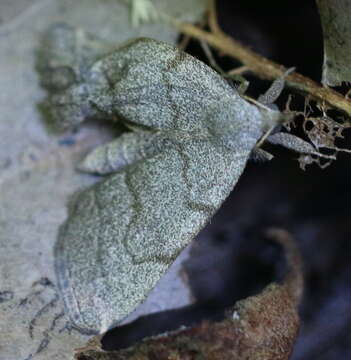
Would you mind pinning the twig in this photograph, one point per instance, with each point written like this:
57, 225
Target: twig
210, 57
263, 67
184, 42
186, 39
212, 17
238, 70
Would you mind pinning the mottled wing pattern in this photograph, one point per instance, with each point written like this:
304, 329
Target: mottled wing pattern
124, 232
156, 85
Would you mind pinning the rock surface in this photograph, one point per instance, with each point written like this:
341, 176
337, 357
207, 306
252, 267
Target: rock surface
37, 169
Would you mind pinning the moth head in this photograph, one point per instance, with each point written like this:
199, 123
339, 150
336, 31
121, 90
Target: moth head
273, 118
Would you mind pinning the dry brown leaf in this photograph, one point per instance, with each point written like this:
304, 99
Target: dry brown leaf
262, 327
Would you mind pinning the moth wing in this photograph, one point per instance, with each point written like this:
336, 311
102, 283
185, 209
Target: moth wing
124, 233
157, 85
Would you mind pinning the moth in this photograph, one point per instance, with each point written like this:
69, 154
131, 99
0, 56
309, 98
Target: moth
190, 137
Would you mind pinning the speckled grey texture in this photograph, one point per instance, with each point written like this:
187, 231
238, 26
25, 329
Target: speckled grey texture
124, 232
293, 142
335, 19
274, 91
125, 150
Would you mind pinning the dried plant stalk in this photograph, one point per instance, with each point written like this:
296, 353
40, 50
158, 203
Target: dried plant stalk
260, 65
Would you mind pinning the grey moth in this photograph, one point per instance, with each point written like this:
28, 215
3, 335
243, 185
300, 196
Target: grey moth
190, 136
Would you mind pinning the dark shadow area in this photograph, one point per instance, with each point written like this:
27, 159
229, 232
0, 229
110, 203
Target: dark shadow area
158, 323
287, 32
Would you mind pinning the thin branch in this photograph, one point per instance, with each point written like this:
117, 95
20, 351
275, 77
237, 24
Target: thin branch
238, 70
265, 68
184, 42
186, 39
212, 17
210, 57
